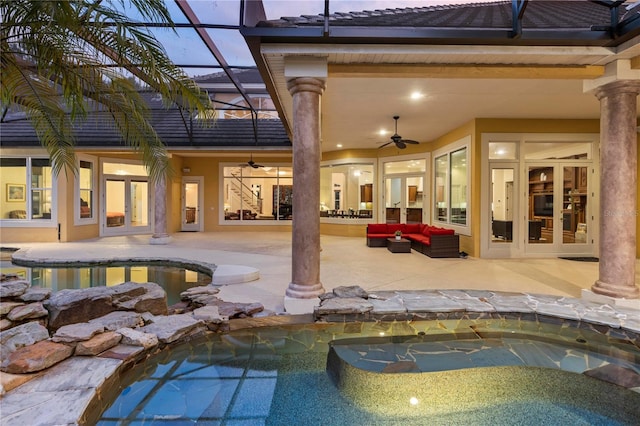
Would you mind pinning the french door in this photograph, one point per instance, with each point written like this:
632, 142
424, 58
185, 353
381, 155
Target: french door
558, 208
191, 200
403, 197
127, 205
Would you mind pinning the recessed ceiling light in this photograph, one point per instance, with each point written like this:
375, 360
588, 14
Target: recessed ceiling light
416, 95
339, 145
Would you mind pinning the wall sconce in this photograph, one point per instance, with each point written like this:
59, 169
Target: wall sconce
186, 170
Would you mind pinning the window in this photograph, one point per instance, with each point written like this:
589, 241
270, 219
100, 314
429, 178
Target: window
452, 185
263, 193
85, 199
27, 190
346, 191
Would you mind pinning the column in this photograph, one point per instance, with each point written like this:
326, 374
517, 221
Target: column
305, 258
160, 235
618, 186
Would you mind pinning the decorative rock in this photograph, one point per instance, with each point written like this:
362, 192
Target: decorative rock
326, 296
201, 296
193, 291
30, 311
5, 324
36, 294
36, 357
147, 317
12, 381
98, 344
137, 338
13, 288
174, 327
178, 308
123, 352
238, 310
75, 306
154, 299
119, 319
351, 291
23, 335
77, 332
346, 305
210, 315
8, 277
204, 299
6, 307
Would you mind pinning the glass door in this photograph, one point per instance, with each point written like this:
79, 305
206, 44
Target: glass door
503, 204
191, 201
404, 199
557, 210
126, 206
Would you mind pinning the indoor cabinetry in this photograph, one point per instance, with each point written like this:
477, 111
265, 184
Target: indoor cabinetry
574, 200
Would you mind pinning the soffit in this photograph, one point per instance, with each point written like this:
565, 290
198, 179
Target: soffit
459, 83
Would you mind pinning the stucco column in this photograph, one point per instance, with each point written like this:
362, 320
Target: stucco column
305, 258
160, 235
618, 187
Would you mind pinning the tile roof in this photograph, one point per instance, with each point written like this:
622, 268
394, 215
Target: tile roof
541, 14
244, 76
171, 125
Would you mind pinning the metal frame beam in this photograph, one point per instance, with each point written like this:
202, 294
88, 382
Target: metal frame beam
517, 12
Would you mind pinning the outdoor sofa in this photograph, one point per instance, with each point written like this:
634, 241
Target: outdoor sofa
430, 240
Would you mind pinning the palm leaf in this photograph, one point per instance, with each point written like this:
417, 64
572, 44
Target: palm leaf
56, 66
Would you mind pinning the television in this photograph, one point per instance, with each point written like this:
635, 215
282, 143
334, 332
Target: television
543, 205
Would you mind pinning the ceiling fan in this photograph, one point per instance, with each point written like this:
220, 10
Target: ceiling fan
397, 139
252, 163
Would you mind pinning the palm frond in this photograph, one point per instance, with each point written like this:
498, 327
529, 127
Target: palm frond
56, 58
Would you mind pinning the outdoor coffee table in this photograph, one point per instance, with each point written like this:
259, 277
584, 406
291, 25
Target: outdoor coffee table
398, 246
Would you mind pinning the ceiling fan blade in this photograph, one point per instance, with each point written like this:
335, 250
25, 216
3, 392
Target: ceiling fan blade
409, 141
401, 145
384, 144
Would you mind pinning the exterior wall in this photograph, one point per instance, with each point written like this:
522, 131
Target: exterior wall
174, 196
209, 168
345, 230
468, 243
32, 235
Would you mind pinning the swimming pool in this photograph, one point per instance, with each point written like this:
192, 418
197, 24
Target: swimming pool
285, 375
174, 278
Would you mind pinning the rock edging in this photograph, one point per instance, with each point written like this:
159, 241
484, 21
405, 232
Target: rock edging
126, 322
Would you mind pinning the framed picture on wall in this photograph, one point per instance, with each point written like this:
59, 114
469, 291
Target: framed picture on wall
15, 192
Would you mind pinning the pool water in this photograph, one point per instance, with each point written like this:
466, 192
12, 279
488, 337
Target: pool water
172, 279
281, 376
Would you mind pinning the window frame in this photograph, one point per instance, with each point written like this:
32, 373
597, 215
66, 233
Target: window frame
29, 221
244, 222
373, 162
448, 150
78, 220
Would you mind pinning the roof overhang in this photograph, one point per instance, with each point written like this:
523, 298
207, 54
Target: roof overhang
462, 73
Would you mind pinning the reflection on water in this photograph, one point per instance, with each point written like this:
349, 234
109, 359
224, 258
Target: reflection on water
279, 376
173, 279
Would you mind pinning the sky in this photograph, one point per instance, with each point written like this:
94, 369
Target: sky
278, 8
187, 48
